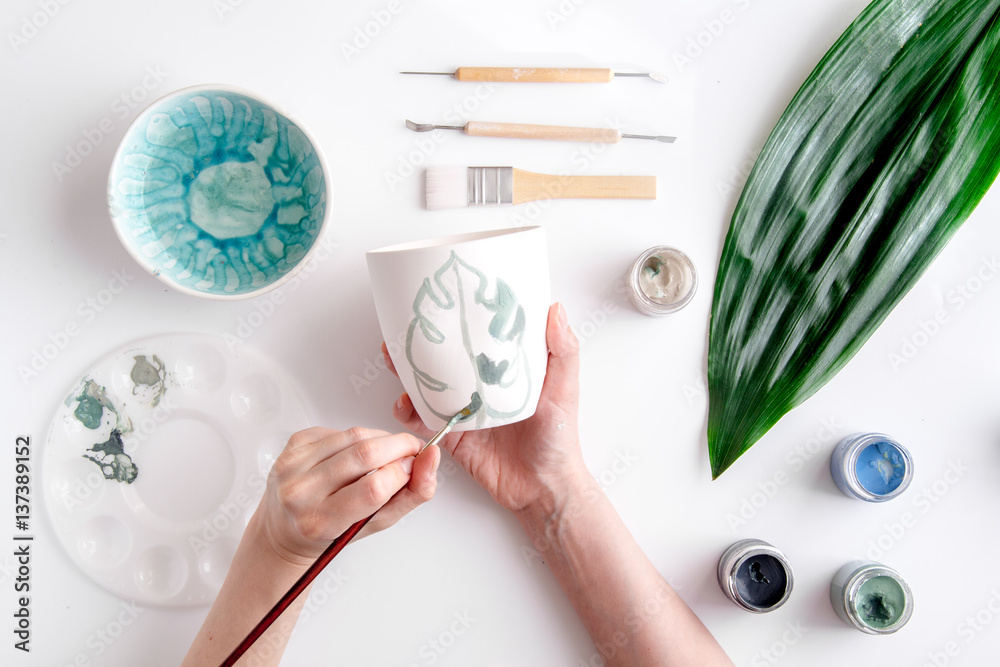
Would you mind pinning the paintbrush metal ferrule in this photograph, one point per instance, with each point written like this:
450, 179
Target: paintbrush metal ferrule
439, 436
490, 185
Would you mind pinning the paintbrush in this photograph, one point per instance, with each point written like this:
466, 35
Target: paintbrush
335, 548
457, 187
542, 74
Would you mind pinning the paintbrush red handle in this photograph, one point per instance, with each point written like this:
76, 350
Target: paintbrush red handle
307, 578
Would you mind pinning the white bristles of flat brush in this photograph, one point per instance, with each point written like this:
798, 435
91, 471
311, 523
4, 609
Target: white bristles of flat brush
447, 187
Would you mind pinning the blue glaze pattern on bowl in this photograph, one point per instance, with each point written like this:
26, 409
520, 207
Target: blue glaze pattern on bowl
216, 193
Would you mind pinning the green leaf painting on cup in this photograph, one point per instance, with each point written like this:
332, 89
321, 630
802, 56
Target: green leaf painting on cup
457, 307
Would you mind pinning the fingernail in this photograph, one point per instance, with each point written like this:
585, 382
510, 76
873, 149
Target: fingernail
408, 465
399, 403
561, 315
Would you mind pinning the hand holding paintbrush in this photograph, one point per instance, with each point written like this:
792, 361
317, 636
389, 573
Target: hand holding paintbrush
335, 547
323, 482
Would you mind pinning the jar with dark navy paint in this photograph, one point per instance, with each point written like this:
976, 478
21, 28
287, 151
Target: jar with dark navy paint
755, 575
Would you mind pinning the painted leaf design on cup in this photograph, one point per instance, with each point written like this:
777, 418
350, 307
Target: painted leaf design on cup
468, 336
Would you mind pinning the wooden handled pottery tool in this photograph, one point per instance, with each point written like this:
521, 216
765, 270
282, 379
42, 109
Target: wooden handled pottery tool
541, 74
456, 187
605, 135
335, 548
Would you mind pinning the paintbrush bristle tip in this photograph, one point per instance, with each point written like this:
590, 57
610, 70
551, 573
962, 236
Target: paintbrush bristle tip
447, 187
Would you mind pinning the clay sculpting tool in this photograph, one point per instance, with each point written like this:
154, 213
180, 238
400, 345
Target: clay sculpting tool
604, 135
457, 187
466, 413
541, 74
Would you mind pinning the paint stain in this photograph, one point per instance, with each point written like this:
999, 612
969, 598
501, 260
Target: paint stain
878, 611
490, 371
450, 298
762, 581
149, 378
665, 282
111, 458
757, 575
91, 404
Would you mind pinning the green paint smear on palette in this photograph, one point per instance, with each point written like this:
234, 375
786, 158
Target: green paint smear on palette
151, 376
90, 410
880, 602
111, 458
110, 455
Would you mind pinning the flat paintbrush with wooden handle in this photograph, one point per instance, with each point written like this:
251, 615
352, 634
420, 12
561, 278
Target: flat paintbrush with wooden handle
457, 187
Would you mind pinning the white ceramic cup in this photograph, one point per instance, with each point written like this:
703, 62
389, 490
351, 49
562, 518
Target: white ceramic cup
466, 314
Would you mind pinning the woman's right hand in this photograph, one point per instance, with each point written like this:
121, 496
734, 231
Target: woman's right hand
326, 480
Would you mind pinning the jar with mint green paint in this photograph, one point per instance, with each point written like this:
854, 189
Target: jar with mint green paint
871, 597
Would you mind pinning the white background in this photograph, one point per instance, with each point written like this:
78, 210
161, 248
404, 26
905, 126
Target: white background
644, 405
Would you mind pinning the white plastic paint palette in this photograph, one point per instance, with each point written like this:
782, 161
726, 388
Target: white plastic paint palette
157, 459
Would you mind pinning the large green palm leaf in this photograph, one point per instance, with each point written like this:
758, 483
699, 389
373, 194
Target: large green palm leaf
885, 150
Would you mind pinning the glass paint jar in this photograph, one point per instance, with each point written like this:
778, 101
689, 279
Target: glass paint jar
871, 597
871, 466
661, 281
755, 575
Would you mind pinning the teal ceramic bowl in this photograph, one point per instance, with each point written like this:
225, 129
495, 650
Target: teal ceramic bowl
218, 193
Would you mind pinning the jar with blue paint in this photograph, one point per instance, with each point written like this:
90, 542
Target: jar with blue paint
871, 466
